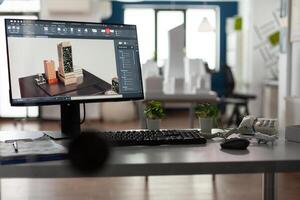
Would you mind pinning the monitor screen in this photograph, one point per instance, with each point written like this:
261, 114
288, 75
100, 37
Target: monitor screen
54, 62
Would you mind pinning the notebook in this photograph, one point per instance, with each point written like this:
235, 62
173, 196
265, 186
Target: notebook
31, 151
20, 135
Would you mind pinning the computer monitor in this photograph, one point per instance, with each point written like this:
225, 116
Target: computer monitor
67, 63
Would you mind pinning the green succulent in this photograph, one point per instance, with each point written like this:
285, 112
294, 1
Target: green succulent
154, 110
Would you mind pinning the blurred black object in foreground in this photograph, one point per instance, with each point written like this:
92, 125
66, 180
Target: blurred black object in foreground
88, 152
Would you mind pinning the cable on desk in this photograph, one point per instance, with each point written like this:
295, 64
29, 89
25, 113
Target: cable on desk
83, 119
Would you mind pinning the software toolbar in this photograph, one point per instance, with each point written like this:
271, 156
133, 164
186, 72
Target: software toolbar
55, 29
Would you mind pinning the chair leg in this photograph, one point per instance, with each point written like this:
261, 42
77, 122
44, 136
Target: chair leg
230, 121
234, 116
246, 109
146, 183
239, 116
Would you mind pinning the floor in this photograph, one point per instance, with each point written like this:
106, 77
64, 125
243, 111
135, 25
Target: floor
225, 187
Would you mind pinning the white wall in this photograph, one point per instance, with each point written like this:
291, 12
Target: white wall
254, 11
292, 100
258, 22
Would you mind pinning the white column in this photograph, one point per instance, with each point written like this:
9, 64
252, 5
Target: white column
295, 87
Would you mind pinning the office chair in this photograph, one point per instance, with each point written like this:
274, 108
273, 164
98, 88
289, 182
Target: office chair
238, 100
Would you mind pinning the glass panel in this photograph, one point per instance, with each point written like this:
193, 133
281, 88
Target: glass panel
166, 20
201, 44
5, 109
145, 21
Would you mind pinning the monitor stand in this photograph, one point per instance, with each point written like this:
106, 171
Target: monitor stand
70, 122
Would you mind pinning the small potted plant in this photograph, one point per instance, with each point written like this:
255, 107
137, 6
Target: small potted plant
154, 112
207, 115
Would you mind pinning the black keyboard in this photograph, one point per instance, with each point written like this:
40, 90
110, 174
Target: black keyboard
153, 137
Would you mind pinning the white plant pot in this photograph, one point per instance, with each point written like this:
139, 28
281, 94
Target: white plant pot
206, 124
153, 124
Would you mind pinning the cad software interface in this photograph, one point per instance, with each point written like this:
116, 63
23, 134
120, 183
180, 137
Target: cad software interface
52, 61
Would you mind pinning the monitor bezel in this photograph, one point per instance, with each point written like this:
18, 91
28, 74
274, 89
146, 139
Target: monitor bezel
43, 103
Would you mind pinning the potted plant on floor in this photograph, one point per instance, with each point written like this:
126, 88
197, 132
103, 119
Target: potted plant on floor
154, 112
207, 115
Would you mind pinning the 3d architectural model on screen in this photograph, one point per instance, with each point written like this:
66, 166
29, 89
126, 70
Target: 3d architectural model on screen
65, 57
115, 84
66, 72
65, 79
50, 72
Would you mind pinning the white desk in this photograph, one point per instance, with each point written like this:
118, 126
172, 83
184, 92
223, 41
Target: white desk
180, 160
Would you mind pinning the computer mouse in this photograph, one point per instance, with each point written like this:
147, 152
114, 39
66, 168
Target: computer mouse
235, 143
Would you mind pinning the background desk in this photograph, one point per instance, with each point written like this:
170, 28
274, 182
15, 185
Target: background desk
180, 160
192, 99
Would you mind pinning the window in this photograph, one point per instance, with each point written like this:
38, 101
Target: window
146, 31
166, 20
202, 44
5, 109
199, 44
